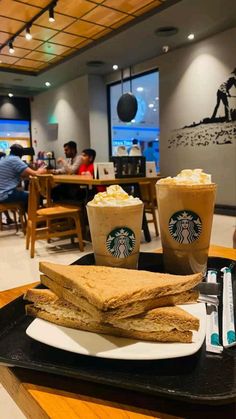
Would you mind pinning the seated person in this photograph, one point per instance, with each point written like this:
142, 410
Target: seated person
12, 169
87, 158
86, 169
70, 165
72, 162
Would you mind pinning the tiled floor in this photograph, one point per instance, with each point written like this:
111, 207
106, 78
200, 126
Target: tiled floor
17, 268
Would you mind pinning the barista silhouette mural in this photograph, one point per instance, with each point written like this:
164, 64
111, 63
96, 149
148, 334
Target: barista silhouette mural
217, 129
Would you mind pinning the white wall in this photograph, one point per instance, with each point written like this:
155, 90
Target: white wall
189, 79
67, 106
98, 122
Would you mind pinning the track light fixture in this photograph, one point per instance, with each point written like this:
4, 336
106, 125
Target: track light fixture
27, 26
11, 48
28, 35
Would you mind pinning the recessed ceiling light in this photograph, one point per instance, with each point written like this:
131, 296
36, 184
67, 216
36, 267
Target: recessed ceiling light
191, 36
151, 105
10, 94
95, 63
166, 31
115, 67
47, 83
139, 89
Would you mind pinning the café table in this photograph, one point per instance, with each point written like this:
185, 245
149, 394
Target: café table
132, 181
41, 395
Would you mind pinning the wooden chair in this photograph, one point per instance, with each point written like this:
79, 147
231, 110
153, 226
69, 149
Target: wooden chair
15, 208
148, 197
46, 220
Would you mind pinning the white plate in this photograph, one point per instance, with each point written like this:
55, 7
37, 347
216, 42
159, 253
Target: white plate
106, 346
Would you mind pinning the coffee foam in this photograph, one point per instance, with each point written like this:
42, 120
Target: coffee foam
114, 196
188, 177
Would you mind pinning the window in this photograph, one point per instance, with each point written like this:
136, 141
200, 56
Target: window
14, 131
145, 126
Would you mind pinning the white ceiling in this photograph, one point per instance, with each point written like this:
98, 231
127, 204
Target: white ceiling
132, 45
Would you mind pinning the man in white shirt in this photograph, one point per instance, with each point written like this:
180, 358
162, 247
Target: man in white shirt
69, 166
72, 162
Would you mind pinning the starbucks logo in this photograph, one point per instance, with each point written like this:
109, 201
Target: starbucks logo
185, 226
120, 242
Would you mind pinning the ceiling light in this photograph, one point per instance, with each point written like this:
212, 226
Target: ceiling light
10, 94
165, 48
191, 36
166, 31
115, 67
139, 89
28, 35
151, 105
47, 83
51, 14
11, 48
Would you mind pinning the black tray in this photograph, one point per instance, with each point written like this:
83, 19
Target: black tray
199, 378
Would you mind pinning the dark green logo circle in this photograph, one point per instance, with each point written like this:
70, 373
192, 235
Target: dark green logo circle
120, 242
185, 226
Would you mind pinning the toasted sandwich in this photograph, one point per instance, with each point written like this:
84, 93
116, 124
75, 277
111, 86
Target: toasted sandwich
111, 293
164, 324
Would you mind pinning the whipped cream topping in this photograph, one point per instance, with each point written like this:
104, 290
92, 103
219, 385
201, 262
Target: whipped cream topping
188, 177
113, 197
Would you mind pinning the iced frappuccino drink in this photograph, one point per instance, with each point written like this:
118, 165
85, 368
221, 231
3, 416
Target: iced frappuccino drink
115, 222
186, 206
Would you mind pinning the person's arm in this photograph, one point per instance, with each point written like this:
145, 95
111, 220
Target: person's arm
30, 172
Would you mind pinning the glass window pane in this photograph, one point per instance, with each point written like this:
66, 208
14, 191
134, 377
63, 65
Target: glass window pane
145, 126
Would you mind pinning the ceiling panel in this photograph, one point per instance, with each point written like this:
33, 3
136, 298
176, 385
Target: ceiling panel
24, 62
41, 56
39, 3
10, 25
76, 9
51, 48
66, 39
129, 6
77, 24
104, 16
86, 29
12, 9
6, 59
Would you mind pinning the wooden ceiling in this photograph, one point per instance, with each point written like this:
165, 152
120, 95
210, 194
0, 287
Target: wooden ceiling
78, 23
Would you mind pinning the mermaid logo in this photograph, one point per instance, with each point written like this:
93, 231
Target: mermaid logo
120, 242
185, 226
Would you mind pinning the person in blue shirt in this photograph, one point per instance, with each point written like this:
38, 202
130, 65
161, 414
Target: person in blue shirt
149, 152
12, 169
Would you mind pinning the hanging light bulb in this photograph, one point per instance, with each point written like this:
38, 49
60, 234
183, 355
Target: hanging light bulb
51, 14
11, 48
28, 35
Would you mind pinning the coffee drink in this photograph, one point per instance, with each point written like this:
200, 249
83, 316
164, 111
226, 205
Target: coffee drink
186, 206
115, 222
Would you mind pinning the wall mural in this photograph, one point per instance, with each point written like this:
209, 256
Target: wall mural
215, 129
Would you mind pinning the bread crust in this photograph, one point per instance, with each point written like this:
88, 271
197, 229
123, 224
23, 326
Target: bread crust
107, 288
127, 310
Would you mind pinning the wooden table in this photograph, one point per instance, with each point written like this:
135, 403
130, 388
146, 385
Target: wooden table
42, 395
85, 180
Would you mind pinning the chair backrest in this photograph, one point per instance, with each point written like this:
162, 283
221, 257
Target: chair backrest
146, 192
39, 189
